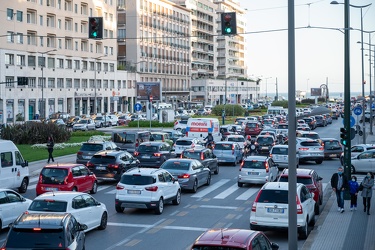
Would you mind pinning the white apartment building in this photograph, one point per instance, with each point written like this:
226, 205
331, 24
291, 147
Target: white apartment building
47, 41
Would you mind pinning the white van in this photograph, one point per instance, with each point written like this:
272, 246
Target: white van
200, 127
14, 171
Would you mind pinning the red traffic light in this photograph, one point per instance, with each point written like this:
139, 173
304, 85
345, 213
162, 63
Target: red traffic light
227, 18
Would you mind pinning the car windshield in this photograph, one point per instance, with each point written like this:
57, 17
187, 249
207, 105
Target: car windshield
53, 175
99, 118
48, 205
147, 149
303, 180
223, 146
191, 155
183, 143
283, 126
157, 137
254, 164
27, 238
91, 147
124, 138
236, 139
176, 165
103, 159
279, 151
273, 196
137, 179
83, 121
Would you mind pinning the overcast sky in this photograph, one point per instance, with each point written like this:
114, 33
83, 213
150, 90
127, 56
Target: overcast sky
319, 52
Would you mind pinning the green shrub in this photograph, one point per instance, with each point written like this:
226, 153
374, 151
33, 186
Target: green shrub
230, 110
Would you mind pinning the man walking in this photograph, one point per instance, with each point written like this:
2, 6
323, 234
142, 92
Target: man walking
339, 183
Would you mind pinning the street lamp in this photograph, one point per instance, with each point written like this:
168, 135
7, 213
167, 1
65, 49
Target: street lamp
96, 83
266, 87
42, 108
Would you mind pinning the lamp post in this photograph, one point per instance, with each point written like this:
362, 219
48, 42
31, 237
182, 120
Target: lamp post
266, 87
96, 84
42, 110
307, 89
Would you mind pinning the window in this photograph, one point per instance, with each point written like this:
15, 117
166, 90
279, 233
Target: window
10, 37
76, 64
21, 60
31, 16
41, 41
51, 41
31, 38
76, 46
84, 9
59, 23
41, 20
60, 63
68, 24
68, 5
51, 19
10, 14
84, 65
69, 83
60, 83
68, 63
6, 159
51, 82
9, 59
68, 43
77, 84
19, 16
19, 38
51, 62
84, 83
19, 159
111, 67
31, 61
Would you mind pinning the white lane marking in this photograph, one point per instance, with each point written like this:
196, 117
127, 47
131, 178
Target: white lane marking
111, 192
247, 194
227, 192
211, 188
151, 226
218, 207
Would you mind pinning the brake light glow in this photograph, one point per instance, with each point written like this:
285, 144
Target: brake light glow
112, 165
267, 167
303, 149
184, 176
40, 179
89, 164
233, 149
152, 189
157, 154
49, 200
80, 153
136, 143
37, 229
202, 157
254, 206
119, 187
136, 153
321, 148
299, 206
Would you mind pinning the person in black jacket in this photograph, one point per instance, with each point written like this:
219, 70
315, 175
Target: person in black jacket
339, 183
50, 145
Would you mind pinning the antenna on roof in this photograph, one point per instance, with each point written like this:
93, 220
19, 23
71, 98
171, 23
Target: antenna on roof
222, 235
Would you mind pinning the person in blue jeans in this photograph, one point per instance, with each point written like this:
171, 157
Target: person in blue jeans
353, 190
339, 183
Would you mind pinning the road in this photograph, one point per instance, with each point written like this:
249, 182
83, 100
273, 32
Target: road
222, 204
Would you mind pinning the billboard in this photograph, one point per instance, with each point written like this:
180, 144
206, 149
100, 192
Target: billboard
316, 92
146, 89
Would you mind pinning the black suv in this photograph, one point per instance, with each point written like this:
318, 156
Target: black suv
205, 156
111, 164
46, 231
264, 143
89, 148
153, 154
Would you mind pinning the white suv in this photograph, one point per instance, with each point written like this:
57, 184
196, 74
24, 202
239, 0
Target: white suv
180, 124
147, 188
270, 208
185, 143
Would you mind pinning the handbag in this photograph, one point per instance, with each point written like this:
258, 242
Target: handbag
360, 187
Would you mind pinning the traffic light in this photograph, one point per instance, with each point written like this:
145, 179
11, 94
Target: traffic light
22, 81
228, 23
96, 27
344, 136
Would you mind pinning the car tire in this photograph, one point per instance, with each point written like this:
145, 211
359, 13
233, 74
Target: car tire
103, 221
94, 188
195, 186
312, 221
74, 189
101, 125
208, 179
177, 199
217, 169
321, 199
303, 233
319, 161
23, 186
352, 170
119, 209
317, 208
159, 206
239, 184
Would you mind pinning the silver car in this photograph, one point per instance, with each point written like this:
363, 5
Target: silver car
309, 150
228, 152
364, 162
190, 173
257, 170
279, 154
84, 125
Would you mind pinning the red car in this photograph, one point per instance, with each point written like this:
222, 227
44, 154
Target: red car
253, 128
311, 180
228, 238
66, 177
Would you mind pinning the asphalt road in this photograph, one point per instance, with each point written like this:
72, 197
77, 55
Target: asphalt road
222, 204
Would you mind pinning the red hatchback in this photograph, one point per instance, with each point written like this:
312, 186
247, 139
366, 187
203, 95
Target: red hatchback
66, 177
253, 128
311, 180
227, 238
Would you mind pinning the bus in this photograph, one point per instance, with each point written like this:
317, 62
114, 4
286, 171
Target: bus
276, 110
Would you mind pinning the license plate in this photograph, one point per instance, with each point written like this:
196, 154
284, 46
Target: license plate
51, 189
134, 191
101, 168
275, 210
146, 157
333, 155
86, 157
253, 173
264, 147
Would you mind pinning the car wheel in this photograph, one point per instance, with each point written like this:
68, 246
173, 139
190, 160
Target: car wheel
160, 206
352, 170
23, 187
195, 186
208, 179
177, 200
318, 162
94, 188
239, 184
101, 125
74, 189
304, 231
217, 169
119, 209
321, 199
312, 222
317, 208
103, 221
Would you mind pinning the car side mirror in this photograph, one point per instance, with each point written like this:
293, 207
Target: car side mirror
320, 178
82, 227
24, 164
274, 246
214, 156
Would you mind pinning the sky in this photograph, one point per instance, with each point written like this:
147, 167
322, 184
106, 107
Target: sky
319, 52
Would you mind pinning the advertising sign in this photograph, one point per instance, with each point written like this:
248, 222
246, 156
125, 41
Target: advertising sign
146, 89
316, 92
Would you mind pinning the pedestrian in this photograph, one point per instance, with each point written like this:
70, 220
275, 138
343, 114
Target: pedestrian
339, 182
353, 190
50, 145
367, 184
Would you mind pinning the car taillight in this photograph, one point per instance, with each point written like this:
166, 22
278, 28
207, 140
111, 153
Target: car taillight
321, 148
184, 176
254, 206
80, 153
267, 167
299, 206
176, 123
119, 187
202, 156
90, 164
40, 179
152, 189
136, 153
303, 149
112, 165
192, 145
157, 154
270, 155
232, 149
136, 143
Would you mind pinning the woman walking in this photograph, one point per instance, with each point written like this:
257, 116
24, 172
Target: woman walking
367, 183
50, 145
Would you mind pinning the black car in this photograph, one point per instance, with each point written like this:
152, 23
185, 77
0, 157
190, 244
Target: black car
264, 143
332, 148
153, 154
46, 231
111, 164
320, 121
205, 156
89, 148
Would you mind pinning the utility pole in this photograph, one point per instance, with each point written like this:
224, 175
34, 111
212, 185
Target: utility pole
277, 91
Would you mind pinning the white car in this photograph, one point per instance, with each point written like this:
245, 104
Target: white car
147, 188
237, 138
257, 170
185, 143
84, 125
180, 124
279, 155
85, 208
270, 208
12, 205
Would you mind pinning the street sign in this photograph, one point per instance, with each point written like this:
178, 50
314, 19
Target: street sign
357, 110
137, 107
352, 121
373, 106
352, 133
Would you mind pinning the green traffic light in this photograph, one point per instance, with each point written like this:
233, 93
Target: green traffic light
228, 30
95, 34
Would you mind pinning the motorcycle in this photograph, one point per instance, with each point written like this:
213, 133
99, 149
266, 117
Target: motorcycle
210, 145
250, 150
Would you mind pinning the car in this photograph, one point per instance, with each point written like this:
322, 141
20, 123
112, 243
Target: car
102, 121
190, 173
309, 150
12, 204
228, 152
147, 188
311, 180
332, 148
264, 143
269, 210
109, 165
73, 120
130, 140
153, 154
363, 162
185, 143
122, 120
257, 170
304, 127
279, 155
160, 136
138, 117
252, 128
113, 120
89, 148
205, 156
269, 123
215, 238
84, 125
46, 231
309, 134
356, 150
174, 134
85, 208
329, 118
271, 132
320, 121
237, 138
66, 177
180, 124
311, 122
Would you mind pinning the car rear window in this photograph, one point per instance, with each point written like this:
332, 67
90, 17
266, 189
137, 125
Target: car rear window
103, 159
264, 140
91, 147
251, 125
53, 175
236, 139
147, 149
311, 136
157, 137
284, 126
136, 179
223, 146
303, 180
310, 144
191, 155
183, 143
254, 164
332, 145
48, 205
273, 196
183, 121
280, 151
176, 165
30, 239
